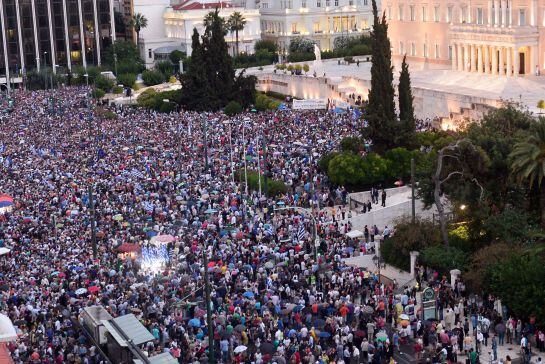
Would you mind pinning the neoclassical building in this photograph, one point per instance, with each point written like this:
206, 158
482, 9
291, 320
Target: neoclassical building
499, 37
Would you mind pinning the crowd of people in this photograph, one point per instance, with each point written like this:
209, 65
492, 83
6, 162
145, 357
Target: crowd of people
275, 296
171, 188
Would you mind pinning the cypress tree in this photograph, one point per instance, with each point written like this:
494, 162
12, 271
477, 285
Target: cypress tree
406, 110
380, 113
195, 91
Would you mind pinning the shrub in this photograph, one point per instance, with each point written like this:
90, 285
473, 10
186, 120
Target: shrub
349, 59
323, 163
301, 45
165, 67
399, 162
176, 56
117, 90
301, 57
265, 44
359, 50
509, 226
103, 83
408, 237
172, 79
346, 169
147, 99
232, 108
98, 93
375, 169
352, 145
152, 77
127, 66
443, 259
167, 107
484, 259
274, 187
127, 79
306, 68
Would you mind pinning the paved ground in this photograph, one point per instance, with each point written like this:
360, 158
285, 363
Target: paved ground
525, 89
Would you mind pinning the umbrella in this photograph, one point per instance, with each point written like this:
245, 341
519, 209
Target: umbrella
248, 294
195, 322
7, 330
128, 248
360, 333
297, 308
367, 310
151, 233
382, 336
240, 328
93, 289
4, 251
6, 201
81, 291
269, 265
162, 239
267, 348
324, 334
239, 349
118, 217
211, 211
404, 317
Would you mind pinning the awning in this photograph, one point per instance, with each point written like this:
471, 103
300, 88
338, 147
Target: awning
164, 358
128, 327
354, 234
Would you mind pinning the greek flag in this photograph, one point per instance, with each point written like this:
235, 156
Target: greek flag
136, 173
269, 231
148, 206
2, 148
301, 233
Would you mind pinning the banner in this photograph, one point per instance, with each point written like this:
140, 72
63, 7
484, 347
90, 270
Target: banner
310, 104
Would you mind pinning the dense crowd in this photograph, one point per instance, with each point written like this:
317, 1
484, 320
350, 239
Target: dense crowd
274, 294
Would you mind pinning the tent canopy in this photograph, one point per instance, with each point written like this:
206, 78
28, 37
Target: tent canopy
354, 234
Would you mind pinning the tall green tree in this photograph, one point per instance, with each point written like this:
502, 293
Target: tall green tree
138, 22
236, 23
528, 162
195, 91
380, 112
406, 109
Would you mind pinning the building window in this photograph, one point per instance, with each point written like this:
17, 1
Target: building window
425, 50
327, 3
450, 52
437, 55
304, 3
449, 14
401, 50
318, 4
366, 2
316, 27
522, 17
464, 15
351, 2
424, 14
294, 28
411, 10
480, 16
437, 14
336, 2
400, 13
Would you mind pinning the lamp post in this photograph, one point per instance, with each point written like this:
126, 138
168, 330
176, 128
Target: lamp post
228, 123
211, 358
378, 263
92, 211
244, 156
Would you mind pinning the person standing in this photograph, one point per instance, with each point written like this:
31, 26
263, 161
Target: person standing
383, 198
494, 347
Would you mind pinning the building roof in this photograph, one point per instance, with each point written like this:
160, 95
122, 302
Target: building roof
164, 358
197, 5
129, 327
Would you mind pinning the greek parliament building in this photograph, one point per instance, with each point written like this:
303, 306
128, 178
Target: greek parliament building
498, 37
42, 33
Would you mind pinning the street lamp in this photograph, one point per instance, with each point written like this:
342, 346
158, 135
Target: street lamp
228, 123
378, 263
246, 120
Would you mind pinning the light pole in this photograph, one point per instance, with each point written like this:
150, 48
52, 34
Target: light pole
378, 262
205, 132
228, 123
413, 207
211, 358
93, 232
244, 156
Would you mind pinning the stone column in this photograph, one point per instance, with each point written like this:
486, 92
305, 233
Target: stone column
489, 23
378, 242
469, 17
459, 57
82, 37
515, 61
112, 20
508, 60
496, 12
494, 55
501, 68
486, 59
473, 59
533, 59
5, 45
454, 275
97, 32
503, 13
533, 15
35, 27
510, 4
66, 40
414, 256
479, 59
454, 60
466, 57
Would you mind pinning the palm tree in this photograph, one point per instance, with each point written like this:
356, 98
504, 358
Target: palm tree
528, 162
138, 22
236, 23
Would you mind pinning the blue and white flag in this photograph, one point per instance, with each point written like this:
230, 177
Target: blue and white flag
301, 233
148, 206
136, 173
